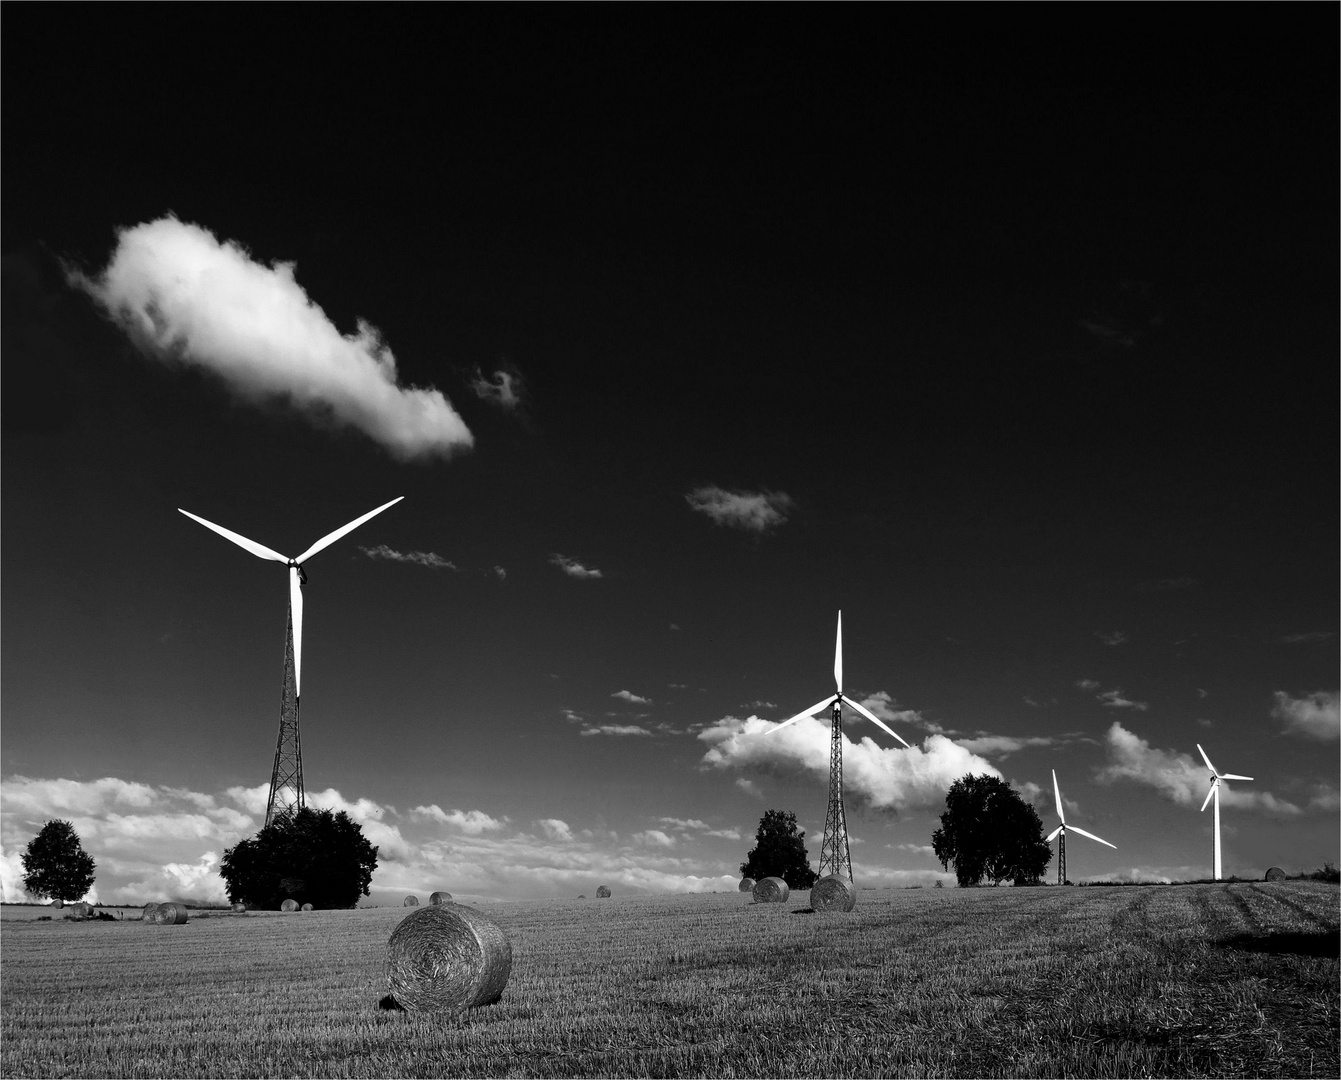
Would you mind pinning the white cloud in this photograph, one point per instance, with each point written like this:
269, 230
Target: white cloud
1178, 777
1310, 638
1113, 699
572, 567
887, 709
430, 559
1113, 637
555, 829
471, 822
1003, 744
654, 838
614, 729
503, 388
892, 779
1087, 684
502, 574
753, 511
1315, 716
184, 297
749, 787
629, 696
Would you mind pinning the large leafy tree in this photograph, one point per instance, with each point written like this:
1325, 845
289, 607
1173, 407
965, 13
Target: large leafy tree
989, 833
56, 865
312, 856
779, 851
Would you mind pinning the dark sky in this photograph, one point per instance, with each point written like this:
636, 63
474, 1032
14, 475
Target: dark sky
1029, 317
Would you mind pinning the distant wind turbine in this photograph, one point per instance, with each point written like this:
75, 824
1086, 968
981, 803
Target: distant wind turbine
286, 780
1214, 793
835, 857
1060, 832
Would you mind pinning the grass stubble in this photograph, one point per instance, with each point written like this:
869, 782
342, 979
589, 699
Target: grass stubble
1196, 980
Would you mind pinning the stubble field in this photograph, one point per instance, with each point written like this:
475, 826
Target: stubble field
1195, 980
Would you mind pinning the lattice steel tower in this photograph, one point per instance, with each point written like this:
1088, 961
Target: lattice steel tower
286, 781
835, 857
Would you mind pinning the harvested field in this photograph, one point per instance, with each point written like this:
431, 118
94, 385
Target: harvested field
1196, 980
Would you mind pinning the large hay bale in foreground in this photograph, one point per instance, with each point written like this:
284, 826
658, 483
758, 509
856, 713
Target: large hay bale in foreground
440, 898
447, 957
170, 915
149, 910
1275, 874
412, 901
289, 905
746, 884
603, 892
833, 893
771, 890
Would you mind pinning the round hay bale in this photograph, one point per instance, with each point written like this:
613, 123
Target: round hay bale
149, 910
81, 910
289, 905
447, 958
439, 898
746, 884
771, 890
307, 907
58, 902
239, 907
412, 901
833, 893
170, 915
1275, 874
603, 892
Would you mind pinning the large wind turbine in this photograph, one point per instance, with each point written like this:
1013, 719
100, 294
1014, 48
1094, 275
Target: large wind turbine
1059, 833
286, 780
1214, 793
834, 855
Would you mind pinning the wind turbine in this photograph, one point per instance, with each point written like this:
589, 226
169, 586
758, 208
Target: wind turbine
1060, 833
286, 780
834, 853
1214, 793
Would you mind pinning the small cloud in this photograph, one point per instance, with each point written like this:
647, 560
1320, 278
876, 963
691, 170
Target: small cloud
749, 787
1087, 684
554, 829
572, 567
502, 574
752, 511
625, 695
760, 705
1308, 639
615, 729
1113, 699
419, 558
1111, 637
673, 626
1203, 722
887, 708
470, 822
1202, 694
1315, 716
502, 388
1003, 745
654, 838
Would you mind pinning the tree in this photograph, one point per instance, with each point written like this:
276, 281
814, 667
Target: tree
312, 856
779, 851
56, 865
989, 832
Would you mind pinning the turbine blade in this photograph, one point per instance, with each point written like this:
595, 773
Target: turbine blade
1207, 760
330, 538
838, 656
1058, 792
802, 715
259, 550
1053, 835
1209, 794
296, 609
876, 720
1072, 828
1233, 776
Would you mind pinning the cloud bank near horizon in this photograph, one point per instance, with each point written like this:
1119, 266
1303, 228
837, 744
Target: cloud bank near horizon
183, 296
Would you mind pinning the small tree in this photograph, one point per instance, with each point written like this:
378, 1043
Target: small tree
55, 864
779, 851
312, 856
989, 832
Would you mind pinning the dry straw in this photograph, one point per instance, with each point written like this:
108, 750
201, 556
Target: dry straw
447, 957
289, 905
170, 914
1275, 874
771, 890
747, 884
412, 901
603, 891
833, 893
440, 898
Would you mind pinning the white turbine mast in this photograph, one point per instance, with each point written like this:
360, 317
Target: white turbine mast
1214, 793
1059, 833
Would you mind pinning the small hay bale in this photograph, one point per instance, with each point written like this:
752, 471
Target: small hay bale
170, 915
833, 893
411, 901
603, 892
149, 910
289, 905
239, 907
771, 890
439, 898
447, 958
307, 907
746, 884
1275, 874
80, 910
58, 902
